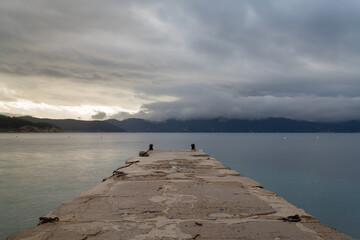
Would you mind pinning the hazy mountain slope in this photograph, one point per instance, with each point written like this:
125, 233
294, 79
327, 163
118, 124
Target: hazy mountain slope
210, 125
235, 125
72, 125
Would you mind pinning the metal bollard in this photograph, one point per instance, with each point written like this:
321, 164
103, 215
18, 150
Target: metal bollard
193, 147
151, 147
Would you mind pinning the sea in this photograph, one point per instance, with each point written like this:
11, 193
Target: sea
318, 172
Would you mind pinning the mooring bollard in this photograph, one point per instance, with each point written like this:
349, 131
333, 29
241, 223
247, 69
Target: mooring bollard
146, 154
193, 147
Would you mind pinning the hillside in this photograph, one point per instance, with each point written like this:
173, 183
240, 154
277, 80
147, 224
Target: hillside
15, 124
72, 125
235, 125
31, 124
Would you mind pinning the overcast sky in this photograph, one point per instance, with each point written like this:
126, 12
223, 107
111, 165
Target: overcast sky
180, 59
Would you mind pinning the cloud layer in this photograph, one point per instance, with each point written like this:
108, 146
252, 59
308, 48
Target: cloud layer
182, 59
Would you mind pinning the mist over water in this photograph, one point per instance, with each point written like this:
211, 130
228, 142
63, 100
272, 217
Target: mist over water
316, 172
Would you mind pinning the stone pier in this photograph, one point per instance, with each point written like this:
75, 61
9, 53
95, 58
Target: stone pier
178, 195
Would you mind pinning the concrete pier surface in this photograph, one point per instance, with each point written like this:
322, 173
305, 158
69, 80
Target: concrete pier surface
178, 194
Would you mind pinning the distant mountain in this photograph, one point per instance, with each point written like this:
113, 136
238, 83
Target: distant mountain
16, 124
235, 125
140, 125
72, 125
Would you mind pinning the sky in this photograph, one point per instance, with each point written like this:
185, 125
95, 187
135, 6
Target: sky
197, 59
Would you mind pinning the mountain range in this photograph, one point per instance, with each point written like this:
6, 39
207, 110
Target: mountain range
199, 125
235, 125
72, 125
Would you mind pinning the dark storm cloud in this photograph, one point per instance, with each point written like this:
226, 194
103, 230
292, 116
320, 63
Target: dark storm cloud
99, 116
204, 102
244, 59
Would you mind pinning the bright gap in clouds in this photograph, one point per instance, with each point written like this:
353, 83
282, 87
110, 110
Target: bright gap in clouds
43, 110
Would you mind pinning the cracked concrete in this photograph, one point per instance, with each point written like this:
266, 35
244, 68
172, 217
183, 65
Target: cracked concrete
178, 195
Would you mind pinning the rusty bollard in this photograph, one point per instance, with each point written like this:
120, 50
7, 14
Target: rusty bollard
193, 147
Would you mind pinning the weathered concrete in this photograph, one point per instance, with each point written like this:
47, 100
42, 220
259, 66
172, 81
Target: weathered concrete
178, 195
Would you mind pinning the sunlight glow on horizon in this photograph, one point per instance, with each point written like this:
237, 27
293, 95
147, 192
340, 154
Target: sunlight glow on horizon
42, 110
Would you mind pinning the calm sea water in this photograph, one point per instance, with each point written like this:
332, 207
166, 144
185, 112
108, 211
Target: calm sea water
316, 172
